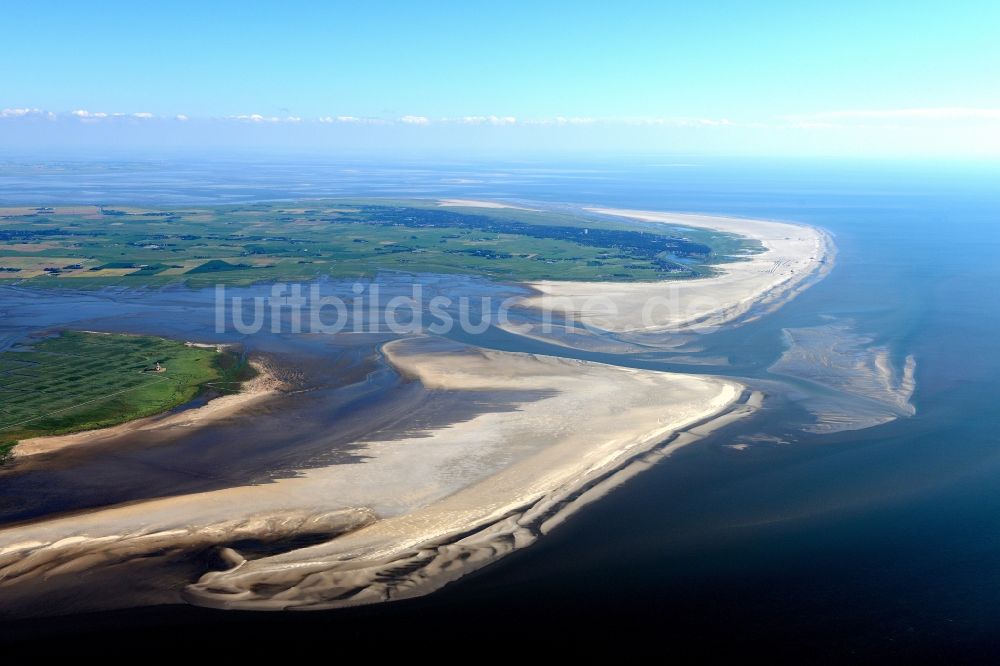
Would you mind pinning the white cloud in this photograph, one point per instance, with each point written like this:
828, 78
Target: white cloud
83, 114
562, 120
351, 120
258, 118
487, 120
27, 113
15, 113
255, 118
330, 120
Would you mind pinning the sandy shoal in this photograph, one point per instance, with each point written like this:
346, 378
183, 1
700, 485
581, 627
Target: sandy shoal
427, 507
794, 255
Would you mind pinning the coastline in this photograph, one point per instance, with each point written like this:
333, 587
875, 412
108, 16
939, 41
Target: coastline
372, 565
432, 505
261, 387
795, 257
491, 484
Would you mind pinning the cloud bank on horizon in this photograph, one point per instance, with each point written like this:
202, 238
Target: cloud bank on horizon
843, 118
770, 77
950, 131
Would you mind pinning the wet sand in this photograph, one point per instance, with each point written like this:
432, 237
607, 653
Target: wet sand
865, 385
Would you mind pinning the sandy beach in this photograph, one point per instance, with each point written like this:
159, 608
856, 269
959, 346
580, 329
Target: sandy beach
795, 255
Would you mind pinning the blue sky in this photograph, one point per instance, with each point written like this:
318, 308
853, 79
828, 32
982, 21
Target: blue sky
742, 77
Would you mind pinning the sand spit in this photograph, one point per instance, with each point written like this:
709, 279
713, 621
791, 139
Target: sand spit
447, 500
795, 257
602, 424
258, 389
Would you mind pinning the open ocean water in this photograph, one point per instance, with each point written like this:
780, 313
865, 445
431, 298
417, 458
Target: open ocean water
876, 542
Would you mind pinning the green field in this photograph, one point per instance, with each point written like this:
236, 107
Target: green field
94, 246
82, 381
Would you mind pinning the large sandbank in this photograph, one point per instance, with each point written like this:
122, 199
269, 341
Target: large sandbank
424, 508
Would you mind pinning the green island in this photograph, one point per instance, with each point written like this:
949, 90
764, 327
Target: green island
92, 246
77, 381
